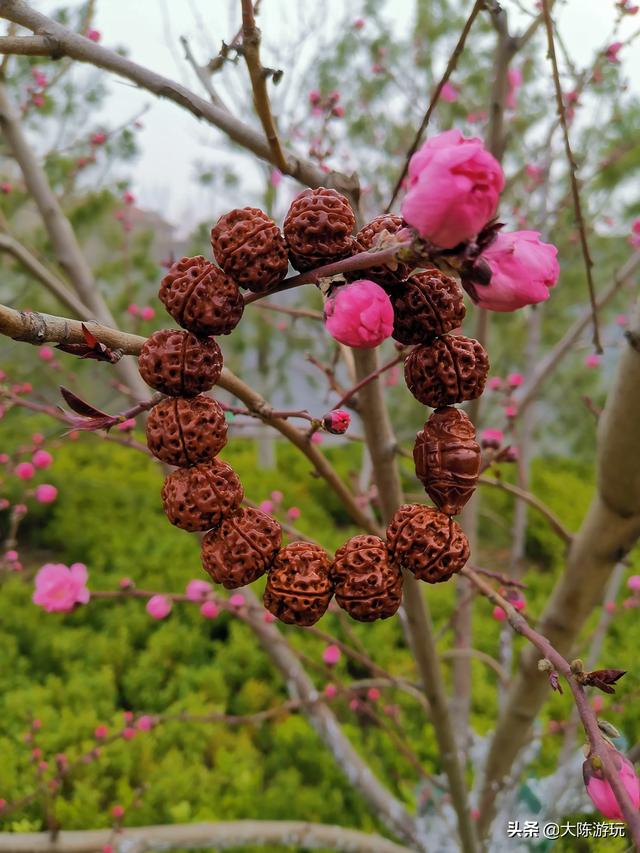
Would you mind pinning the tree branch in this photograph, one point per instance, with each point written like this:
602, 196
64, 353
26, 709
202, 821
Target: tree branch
251, 52
224, 835
61, 41
554, 522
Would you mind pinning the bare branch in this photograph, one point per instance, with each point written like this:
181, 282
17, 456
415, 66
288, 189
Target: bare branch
554, 522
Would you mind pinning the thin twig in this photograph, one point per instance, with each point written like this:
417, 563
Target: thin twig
575, 190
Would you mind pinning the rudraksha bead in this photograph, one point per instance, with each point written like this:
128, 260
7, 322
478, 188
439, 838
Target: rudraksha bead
429, 304
367, 586
427, 543
201, 497
298, 587
242, 548
365, 239
201, 297
180, 364
183, 431
318, 228
450, 370
447, 459
248, 245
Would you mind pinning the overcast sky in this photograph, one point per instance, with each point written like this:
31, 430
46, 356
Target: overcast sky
172, 140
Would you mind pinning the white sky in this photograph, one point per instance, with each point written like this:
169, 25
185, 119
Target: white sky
172, 140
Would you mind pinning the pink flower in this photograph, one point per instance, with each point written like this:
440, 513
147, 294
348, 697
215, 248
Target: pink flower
314, 97
267, 617
600, 791
159, 606
46, 354
611, 53
93, 35
145, 723
510, 411
495, 383
354, 705
198, 590
317, 438
610, 606
59, 589
277, 496
98, 138
534, 172
37, 99
514, 79
337, 421
133, 310
491, 438
449, 93
373, 694
100, 732
11, 556
4, 458
128, 733
46, 493
359, 314
275, 179
358, 24
117, 812
37, 438
523, 268
147, 313
330, 691
622, 320
6, 187
237, 600
592, 360
633, 583
128, 197
515, 380
41, 459
331, 655
498, 614
454, 188
266, 506
25, 471
209, 609
293, 513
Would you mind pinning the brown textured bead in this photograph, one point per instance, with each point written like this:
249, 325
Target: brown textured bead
248, 245
450, 370
447, 459
427, 543
318, 228
298, 588
199, 498
429, 304
186, 431
365, 239
180, 364
241, 550
367, 586
201, 297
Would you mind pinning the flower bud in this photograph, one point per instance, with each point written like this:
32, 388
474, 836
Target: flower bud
337, 421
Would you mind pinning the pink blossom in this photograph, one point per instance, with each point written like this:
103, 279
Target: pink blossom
331, 655
6, 187
354, 705
126, 583
475, 118
145, 723
237, 600
511, 410
46, 354
337, 421
4, 458
330, 691
37, 438
117, 812
46, 493
498, 614
147, 313
93, 35
633, 583
128, 733
98, 138
128, 716
495, 383
373, 694
523, 269
622, 320
20, 509
314, 97
449, 93
514, 79
338, 112
159, 606
454, 188
209, 609
358, 24
267, 617
25, 471
133, 310
275, 178
611, 53
100, 732
592, 360
198, 590
11, 556
266, 506
491, 438
106, 848
536, 173
127, 424
59, 589
42, 459
128, 197
359, 314
600, 791
317, 438
610, 606
515, 380
277, 496
293, 513
37, 99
